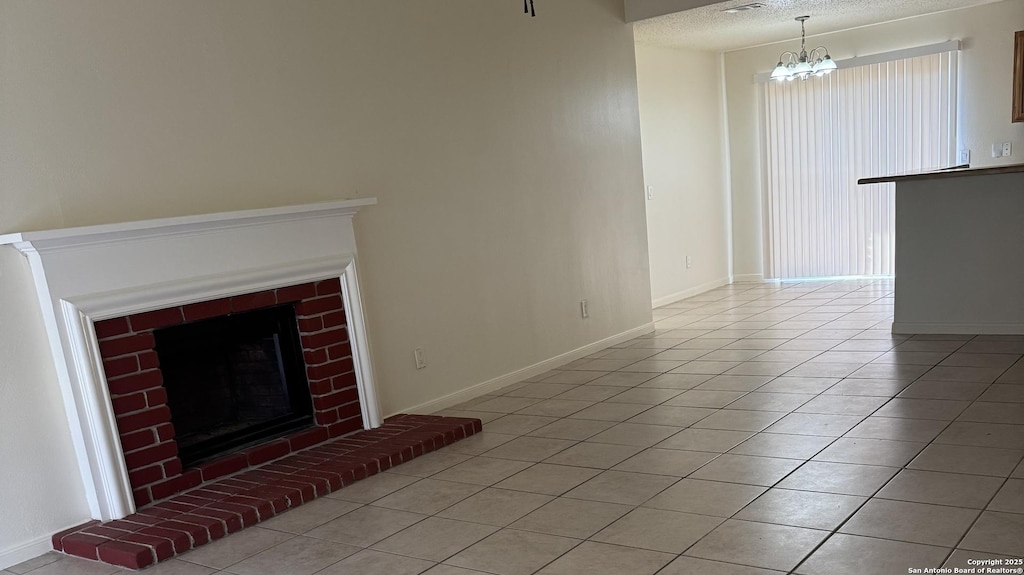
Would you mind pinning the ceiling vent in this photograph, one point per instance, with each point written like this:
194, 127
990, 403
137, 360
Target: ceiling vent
743, 8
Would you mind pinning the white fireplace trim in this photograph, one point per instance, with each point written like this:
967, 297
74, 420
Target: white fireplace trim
309, 243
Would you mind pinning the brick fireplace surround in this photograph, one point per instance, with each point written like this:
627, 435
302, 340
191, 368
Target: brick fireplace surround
139, 399
183, 508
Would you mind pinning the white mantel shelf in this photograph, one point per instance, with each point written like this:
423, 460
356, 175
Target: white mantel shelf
65, 237
86, 274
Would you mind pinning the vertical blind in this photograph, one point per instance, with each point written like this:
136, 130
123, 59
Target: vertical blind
823, 134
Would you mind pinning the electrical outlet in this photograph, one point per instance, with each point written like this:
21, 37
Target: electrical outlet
650, 192
583, 309
689, 262
964, 157
421, 358
1003, 150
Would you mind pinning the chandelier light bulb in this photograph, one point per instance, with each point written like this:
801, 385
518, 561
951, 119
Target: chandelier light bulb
826, 65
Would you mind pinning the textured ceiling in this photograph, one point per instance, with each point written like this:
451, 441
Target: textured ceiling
709, 28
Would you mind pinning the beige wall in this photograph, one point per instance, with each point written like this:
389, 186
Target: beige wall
504, 151
681, 125
986, 65
40, 489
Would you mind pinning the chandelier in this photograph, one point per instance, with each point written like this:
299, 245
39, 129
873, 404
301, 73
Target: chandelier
803, 65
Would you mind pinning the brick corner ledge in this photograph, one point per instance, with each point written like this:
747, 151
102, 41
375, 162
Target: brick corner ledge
212, 510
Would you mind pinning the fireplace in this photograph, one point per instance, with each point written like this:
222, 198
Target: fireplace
109, 292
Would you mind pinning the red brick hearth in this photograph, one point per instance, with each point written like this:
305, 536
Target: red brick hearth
194, 518
139, 399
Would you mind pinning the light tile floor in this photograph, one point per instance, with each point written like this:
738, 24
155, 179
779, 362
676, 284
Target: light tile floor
761, 429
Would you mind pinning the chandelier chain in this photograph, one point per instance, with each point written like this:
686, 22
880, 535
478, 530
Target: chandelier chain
803, 37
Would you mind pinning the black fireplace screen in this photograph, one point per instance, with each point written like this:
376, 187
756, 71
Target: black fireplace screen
234, 380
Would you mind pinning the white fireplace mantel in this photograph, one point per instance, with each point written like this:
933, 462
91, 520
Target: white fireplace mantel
86, 274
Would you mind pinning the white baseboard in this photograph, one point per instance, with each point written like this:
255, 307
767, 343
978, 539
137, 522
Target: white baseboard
526, 372
746, 278
29, 550
910, 328
696, 290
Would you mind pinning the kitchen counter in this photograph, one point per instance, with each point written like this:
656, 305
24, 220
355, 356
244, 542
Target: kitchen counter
959, 251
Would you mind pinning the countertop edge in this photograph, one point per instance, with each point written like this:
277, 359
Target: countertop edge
949, 173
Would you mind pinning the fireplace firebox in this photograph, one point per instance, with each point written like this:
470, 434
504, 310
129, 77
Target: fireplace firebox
233, 381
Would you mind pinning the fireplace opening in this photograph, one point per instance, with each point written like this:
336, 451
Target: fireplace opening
234, 380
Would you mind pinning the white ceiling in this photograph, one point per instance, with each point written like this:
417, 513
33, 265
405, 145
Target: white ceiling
709, 28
